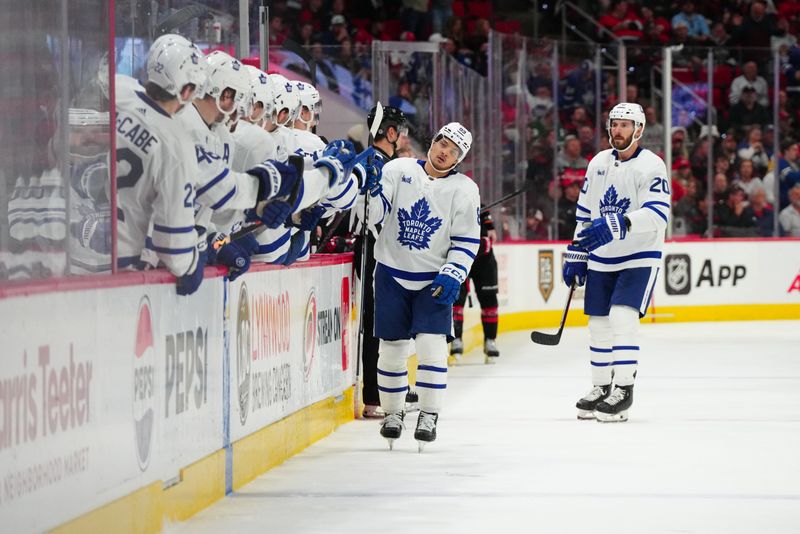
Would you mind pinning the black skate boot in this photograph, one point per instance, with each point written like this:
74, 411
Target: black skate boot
457, 346
426, 429
392, 427
412, 401
490, 350
614, 409
587, 405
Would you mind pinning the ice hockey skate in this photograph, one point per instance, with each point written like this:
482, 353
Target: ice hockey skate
372, 411
490, 350
426, 429
457, 347
392, 427
412, 401
614, 409
588, 403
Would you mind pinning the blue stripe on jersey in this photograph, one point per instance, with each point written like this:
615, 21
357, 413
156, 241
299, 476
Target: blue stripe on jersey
409, 275
458, 265
224, 199
275, 245
597, 349
173, 229
35, 210
465, 251
340, 195
656, 203
148, 243
213, 182
583, 209
389, 373
348, 206
600, 364
625, 347
477, 241
431, 386
657, 212
625, 362
304, 251
582, 219
387, 206
393, 390
431, 368
327, 205
622, 259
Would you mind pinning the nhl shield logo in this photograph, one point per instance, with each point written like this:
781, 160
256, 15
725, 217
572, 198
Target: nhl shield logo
546, 273
678, 279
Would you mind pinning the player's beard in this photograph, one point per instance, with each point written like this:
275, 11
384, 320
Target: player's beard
622, 145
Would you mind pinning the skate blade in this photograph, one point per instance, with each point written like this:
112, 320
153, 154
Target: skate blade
620, 417
421, 445
453, 359
391, 443
585, 415
412, 407
490, 360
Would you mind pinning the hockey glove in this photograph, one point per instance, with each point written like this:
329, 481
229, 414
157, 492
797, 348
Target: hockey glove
189, 283
308, 219
602, 231
447, 284
369, 177
275, 180
575, 266
94, 231
297, 248
338, 158
236, 255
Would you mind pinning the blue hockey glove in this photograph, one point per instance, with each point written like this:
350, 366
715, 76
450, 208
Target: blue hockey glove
339, 158
369, 177
602, 231
275, 179
275, 213
309, 218
236, 255
575, 266
189, 283
447, 284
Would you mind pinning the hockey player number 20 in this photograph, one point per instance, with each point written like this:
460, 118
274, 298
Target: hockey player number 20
660, 185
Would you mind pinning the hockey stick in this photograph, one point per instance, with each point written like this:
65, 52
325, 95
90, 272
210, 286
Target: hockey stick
505, 198
179, 18
362, 270
552, 339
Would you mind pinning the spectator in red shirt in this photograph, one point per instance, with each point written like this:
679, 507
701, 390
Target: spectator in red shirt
622, 22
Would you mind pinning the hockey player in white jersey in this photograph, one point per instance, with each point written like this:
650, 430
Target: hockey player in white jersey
156, 167
622, 215
430, 234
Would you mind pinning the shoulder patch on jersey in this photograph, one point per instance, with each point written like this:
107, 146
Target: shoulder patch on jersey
612, 204
417, 227
406, 179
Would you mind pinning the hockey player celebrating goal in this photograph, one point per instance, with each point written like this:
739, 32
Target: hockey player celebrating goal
622, 214
430, 234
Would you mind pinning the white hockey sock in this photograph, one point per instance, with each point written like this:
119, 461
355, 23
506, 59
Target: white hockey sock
393, 374
625, 325
601, 339
431, 371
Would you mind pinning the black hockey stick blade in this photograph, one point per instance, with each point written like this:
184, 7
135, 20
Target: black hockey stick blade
541, 338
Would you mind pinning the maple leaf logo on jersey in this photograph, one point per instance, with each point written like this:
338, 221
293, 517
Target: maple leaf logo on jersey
417, 227
612, 204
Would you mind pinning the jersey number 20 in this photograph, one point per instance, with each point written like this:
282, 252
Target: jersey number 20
660, 185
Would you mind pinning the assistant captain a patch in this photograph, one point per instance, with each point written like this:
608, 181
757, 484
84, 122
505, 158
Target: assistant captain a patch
417, 226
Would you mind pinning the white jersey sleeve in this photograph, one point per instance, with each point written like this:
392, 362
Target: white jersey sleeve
637, 188
252, 145
156, 169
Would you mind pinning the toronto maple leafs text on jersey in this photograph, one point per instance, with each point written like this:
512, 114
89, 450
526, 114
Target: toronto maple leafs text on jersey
426, 222
637, 188
156, 171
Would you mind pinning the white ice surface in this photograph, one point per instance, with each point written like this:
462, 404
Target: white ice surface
712, 446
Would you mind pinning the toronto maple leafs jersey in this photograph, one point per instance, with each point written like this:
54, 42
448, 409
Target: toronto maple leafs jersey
426, 222
218, 186
156, 172
285, 141
637, 188
307, 143
252, 145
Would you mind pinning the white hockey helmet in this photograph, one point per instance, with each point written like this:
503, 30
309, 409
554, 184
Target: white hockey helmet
459, 135
173, 62
261, 91
630, 112
286, 97
309, 98
226, 72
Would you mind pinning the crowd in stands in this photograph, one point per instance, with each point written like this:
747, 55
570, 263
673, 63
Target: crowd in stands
744, 35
